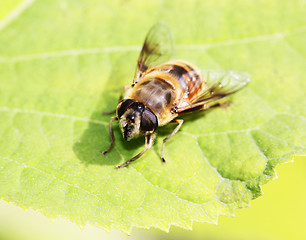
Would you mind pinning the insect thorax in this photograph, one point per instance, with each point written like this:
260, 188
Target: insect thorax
155, 93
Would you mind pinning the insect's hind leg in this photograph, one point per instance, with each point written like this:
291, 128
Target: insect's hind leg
180, 122
124, 89
205, 107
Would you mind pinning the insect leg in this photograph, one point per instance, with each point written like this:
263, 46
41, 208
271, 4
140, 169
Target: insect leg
149, 142
108, 112
204, 107
180, 122
124, 89
112, 134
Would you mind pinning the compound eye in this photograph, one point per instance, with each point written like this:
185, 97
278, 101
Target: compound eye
149, 121
123, 106
138, 107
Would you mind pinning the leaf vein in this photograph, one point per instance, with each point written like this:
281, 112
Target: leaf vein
76, 52
50, 114
257, 147
60, 180
15, 13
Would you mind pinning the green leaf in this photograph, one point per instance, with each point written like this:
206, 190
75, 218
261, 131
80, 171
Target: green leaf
63, 63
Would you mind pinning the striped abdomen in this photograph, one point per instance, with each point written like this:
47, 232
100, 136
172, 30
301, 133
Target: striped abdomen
186, 80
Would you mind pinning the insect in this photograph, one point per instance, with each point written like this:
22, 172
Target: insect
162, 90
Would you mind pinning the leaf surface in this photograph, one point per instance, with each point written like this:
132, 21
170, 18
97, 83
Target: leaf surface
63, 63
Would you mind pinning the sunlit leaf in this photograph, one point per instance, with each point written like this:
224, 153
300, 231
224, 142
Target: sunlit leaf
63, 62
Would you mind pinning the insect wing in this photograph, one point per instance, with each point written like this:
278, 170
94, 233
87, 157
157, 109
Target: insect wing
219, 84
157, 48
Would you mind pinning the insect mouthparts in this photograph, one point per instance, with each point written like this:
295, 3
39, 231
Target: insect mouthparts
127, 129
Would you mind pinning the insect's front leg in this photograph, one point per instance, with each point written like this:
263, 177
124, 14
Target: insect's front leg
180, 122
149, 139
124, 89
111, 134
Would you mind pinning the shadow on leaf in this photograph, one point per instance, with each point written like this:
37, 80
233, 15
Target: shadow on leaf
96, 138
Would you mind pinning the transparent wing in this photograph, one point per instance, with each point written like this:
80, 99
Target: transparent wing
221, 83
157, 48
217, 84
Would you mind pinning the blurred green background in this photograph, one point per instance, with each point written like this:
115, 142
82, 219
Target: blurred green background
279, 214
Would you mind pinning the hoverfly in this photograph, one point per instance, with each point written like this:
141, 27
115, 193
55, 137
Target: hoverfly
163, 90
